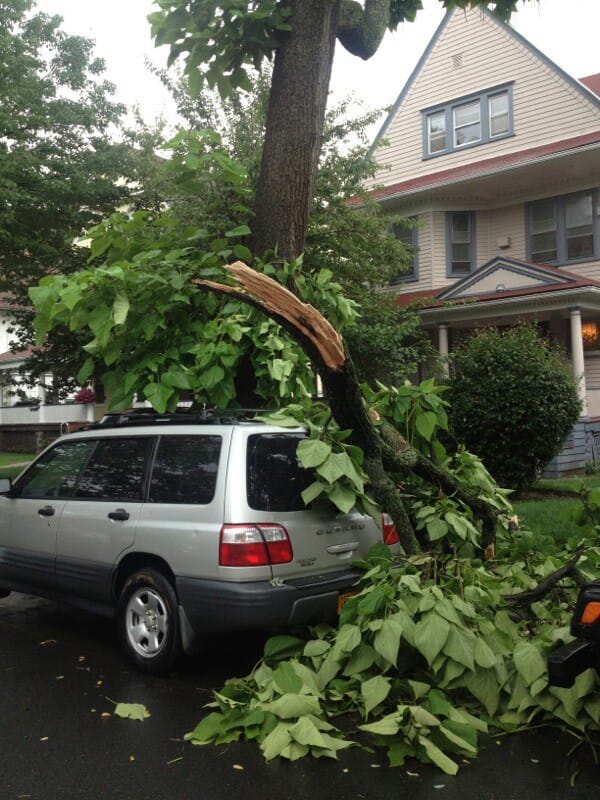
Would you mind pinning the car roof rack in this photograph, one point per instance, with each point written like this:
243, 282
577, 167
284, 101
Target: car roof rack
137, 417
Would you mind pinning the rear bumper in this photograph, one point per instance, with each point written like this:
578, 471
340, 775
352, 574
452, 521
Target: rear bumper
218, 606
566, 663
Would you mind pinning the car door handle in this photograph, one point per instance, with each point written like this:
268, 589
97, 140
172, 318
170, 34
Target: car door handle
119, 514
46, 511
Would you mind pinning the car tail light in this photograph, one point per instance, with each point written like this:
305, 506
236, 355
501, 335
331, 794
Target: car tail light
256, 545
591, 613
388, 530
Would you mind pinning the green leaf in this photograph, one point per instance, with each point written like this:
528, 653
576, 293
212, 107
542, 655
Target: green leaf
431, 635
387, 639
439, 758
132, 711
483, 685
312, 452
342, 497
280, 647
278, 739
333, 467
529, 662
312, 492
425, 424
374, 692
86, 370
158, 396
348, 639
460, 646
289, 706
484, 657
120, 308
386, 726
285, 679
316, 648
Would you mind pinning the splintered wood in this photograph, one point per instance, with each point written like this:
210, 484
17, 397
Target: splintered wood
284, 307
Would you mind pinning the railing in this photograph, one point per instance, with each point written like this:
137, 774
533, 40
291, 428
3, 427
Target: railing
64, 412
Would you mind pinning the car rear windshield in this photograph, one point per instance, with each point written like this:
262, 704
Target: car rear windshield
275, 478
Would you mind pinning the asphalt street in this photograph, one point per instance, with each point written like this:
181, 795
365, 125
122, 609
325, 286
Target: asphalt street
61, 673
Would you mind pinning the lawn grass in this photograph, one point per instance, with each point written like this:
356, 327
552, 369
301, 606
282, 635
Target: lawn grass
550, 516
14, 458
570, 484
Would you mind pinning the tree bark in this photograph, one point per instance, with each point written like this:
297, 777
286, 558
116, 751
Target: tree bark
361, 28
294, 129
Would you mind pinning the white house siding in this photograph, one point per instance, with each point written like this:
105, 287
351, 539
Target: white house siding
4, 324
547, 108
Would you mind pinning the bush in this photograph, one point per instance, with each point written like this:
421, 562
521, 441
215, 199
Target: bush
513, 401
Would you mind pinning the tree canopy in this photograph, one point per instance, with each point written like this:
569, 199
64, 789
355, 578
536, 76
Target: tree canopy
59, 165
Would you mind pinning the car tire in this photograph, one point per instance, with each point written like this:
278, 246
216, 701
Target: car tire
148, 622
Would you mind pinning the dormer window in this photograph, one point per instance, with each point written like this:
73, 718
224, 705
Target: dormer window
468, 121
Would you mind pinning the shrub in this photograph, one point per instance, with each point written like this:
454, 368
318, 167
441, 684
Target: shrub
513, 401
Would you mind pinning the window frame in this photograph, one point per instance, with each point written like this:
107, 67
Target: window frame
413, 276
560, 205
449, 108
450, 273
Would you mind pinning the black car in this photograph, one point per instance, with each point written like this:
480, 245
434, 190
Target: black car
566, 663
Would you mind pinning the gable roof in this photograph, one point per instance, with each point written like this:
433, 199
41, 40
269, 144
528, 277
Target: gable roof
584, 85
502, 278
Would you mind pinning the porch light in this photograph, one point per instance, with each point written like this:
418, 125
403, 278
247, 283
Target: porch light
590, 334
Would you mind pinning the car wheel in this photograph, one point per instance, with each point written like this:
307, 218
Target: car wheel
148, 622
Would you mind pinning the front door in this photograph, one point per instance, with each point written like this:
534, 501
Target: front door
30, 516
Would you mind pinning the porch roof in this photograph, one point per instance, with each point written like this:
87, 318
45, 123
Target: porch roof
543, 289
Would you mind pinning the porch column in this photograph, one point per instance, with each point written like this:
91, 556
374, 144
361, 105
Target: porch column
577, 356
42, 399
443, 347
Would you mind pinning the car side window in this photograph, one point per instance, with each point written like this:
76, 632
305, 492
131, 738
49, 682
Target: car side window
115, 470
185, 469
55, 473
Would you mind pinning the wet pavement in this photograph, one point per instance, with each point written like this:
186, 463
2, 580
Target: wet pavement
61, 668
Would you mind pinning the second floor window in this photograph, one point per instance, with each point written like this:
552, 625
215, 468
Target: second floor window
460, 242
408, 235
468, 121
564, 229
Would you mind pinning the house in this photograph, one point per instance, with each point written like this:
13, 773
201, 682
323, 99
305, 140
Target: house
494, 152
27, 421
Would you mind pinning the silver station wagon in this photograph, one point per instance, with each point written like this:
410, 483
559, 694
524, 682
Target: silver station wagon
178, 525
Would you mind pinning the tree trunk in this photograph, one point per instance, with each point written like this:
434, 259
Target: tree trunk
294, 129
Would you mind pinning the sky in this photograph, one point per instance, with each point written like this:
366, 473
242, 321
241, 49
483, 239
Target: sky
122, 35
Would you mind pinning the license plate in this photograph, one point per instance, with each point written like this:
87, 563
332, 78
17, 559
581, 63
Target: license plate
343, 599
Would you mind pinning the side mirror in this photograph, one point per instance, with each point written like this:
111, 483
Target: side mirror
5, 485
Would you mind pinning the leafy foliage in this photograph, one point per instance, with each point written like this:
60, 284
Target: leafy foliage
225, 41
426, 656
59, 162
513, 401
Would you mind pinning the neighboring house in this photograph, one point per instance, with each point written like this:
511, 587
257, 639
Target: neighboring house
21, 404
494, 152
11, 388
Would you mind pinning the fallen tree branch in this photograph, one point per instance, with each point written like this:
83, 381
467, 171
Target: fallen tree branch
547, 584
307, 325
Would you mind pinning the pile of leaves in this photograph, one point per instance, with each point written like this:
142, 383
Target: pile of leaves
425, 657
433, 650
